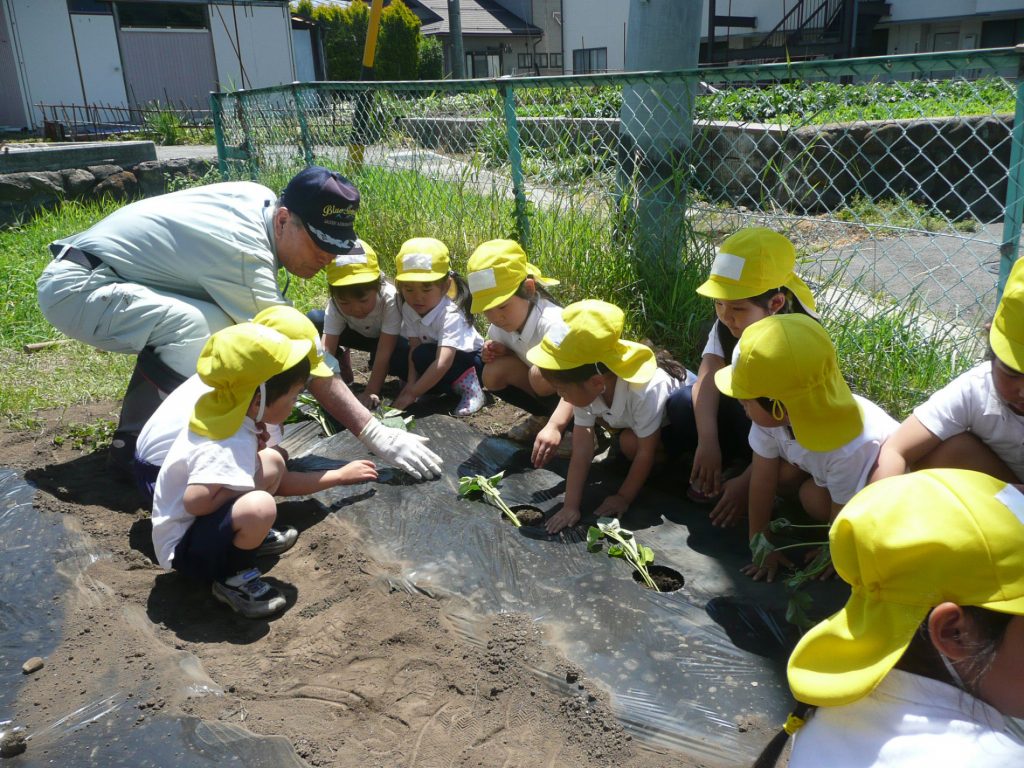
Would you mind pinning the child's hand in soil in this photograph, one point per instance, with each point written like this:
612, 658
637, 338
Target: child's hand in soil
771, 566
828, 572
545, 445
732, 507
565, 517
492, 350
706, 475
370, 402
361, 471
614, 506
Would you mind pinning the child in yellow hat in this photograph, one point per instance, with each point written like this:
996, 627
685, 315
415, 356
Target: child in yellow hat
512, 295
977, 420
363, 313
602, 376
810, 435
752, 277
444, 347
213, 503
924, 665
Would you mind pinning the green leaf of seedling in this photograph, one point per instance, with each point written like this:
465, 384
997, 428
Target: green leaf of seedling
594, 536
819, 563
779, 524
796, 610
761, 547
646, 555
617, 550
468, 485
495, 479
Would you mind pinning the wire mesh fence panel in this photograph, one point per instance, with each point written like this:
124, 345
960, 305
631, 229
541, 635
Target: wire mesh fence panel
891, 176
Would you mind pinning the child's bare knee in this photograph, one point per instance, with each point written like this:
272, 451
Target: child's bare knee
492, 378
254, 510
541, 386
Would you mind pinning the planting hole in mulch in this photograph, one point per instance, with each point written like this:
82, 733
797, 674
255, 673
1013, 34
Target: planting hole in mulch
528, 515
667, 579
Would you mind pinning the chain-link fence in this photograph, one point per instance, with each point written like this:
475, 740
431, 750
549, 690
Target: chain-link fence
898, 179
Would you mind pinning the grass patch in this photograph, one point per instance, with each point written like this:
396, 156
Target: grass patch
900, 212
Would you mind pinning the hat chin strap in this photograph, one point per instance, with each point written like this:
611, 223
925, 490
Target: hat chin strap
263, 407
952, 671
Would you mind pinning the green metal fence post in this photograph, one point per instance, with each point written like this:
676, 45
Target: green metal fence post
1010, 248
218, 132
515, 159
300, 114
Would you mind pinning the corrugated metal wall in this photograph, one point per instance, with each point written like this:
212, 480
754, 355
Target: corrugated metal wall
12, 110
172, 66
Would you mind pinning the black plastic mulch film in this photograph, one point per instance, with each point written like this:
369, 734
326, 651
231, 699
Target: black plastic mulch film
699, 671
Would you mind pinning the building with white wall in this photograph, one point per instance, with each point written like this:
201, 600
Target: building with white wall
98, 52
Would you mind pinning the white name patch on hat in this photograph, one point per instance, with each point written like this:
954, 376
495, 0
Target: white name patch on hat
481, 280
557, 333
349, 258
728, 265
1013, 500
421, 261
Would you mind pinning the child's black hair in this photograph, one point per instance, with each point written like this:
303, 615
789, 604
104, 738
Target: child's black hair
922, 658
357, 291
581, 373
523, 292
279, 384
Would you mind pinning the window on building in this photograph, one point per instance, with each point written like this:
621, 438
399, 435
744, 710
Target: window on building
542, 60
93, 7
585, 60
483, 64
524, 61
161, 16
555, 60
1002, 33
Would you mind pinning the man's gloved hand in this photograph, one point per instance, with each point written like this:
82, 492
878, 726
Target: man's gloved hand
401, 449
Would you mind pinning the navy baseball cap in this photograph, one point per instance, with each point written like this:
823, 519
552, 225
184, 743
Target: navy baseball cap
327, 203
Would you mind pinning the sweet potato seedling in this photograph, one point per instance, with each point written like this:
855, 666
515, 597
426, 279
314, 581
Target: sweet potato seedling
626, 547
799, 601
473, 484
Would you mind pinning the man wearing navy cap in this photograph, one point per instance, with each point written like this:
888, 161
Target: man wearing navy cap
158, 277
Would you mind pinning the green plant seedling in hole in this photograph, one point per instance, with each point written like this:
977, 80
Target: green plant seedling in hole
799, 601
625, 547
488, 486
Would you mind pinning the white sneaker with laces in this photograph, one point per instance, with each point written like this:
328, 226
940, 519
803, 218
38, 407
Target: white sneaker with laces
248, 594
278, 541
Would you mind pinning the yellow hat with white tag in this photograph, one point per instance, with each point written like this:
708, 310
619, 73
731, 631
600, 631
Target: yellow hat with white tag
422, 260
358, 266
904, 545
753, 261
235, 362
496, 270
590, 333
295, 325
1007, 333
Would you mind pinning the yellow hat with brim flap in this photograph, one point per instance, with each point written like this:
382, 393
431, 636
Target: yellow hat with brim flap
422, 260
790, 358
906, 544
235, 361
358, 266
591, 333
753, 261
496, 270
296, 326
1007, 333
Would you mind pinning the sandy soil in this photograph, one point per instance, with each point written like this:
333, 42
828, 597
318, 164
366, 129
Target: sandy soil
355, 673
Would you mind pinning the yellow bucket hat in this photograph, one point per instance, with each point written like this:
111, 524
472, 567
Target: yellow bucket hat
422, 260
354, 267
906, 544
235, 362
790, 358
591, 333
753, 261
296, 326
496, 270
1007, 334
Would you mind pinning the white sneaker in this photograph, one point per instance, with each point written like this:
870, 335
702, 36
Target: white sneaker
248, 594
278, 541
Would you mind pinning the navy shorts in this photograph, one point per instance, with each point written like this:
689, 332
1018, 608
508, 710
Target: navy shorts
207, 552
145, 478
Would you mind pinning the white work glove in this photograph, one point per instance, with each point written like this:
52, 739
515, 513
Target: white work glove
401, 449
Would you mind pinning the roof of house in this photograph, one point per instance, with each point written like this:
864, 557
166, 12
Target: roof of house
479, 17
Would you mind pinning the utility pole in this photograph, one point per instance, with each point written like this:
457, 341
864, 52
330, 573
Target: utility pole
455, 33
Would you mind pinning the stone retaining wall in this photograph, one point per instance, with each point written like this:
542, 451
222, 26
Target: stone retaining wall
24, 193
956, 166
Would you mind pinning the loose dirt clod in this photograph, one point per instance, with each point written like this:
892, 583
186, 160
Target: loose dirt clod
32, 665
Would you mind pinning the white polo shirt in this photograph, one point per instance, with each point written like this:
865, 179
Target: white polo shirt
166, 423
843, 471
385, 317
969, 403
194, 459
714, 345
639, 407
444, 325
542, 316
908, 721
